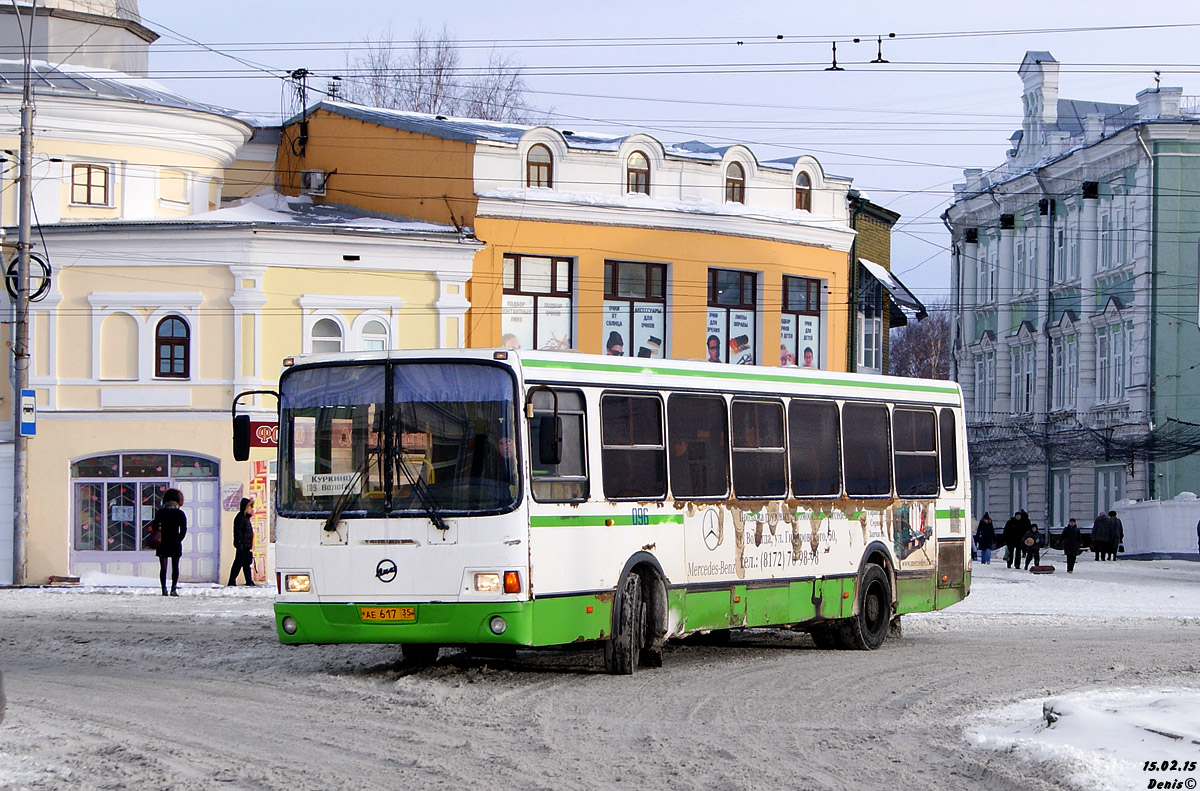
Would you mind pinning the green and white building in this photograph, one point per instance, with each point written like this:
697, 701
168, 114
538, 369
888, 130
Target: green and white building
1075, 301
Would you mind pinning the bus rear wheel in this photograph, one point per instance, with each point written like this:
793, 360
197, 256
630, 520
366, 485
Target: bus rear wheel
868, 628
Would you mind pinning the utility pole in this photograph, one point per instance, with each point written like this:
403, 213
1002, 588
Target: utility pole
20, 330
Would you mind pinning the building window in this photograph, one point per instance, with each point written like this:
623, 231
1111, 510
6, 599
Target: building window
637, 174
1105, 241
1110, 487
1060, 256
326, 336
1073, 248
1112, 362
1019, 265
800, 324
1064, 381
1018, 492
735, 183
870, 323
635, 309
1060, 496
979, 497
803, 192
89, 185
985, 384
171, 339
374, 336
537, 302
732, 304
539, 167
1024, 375
1031, 267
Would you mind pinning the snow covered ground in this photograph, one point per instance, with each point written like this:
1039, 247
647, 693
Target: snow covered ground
1115, 708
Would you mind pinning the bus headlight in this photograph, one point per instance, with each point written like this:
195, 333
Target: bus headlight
498, 625
487, 582
297, 583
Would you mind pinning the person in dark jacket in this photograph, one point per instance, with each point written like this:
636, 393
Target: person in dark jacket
243, 543
1101, 530
1013, 530
1031, 545
985, 538
1116, 534
1071, 542
172, 522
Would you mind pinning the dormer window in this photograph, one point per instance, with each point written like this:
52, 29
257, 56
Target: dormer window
735, 183
89, 185
539, 167
803, 192
637, 174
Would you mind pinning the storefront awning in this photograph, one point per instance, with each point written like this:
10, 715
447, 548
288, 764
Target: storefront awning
902, 299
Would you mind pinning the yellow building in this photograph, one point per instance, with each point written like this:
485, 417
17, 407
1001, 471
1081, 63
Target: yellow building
606, 245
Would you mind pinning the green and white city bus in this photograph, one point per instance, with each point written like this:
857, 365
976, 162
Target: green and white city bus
501, 498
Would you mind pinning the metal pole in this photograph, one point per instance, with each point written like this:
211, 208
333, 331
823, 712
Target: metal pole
21, 338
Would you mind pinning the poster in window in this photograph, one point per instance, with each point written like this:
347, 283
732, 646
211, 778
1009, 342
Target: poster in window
715, 336
809, 342
554, 323
787, 339
616, 328
516, 322
741, 337
649, 322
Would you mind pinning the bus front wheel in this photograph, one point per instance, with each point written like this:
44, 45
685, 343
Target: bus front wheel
868, 628
624, 646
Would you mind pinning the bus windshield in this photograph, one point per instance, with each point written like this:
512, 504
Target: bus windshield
397, 438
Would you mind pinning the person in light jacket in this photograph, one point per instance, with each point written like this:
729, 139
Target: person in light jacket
243, 543
1071, 543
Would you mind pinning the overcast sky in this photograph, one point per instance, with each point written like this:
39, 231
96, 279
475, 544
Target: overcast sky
903, 131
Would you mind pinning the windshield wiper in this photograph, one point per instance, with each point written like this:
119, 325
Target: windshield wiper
339, 505
423, 495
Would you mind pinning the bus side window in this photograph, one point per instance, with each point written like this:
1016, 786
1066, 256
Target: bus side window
865, 452
816, 448
632, 456
759, 455
699, 433
567, 481
948, 449
914, 445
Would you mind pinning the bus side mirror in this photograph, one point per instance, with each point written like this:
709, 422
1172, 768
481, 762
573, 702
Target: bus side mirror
550, 440
241, 437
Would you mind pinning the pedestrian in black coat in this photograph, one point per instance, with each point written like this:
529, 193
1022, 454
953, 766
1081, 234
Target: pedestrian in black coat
1013, 530
172, 522
1031, 544
1116, 534
1101, 531
1071, 542
985, 538
243, 543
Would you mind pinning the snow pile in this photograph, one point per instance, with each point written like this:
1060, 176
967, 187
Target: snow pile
1102, 740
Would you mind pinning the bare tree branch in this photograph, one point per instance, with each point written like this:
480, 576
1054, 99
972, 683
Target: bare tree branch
922, 348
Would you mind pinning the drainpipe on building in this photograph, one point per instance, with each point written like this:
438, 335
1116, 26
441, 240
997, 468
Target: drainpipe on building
956, 305
1151, 407
856, 208
1048, 203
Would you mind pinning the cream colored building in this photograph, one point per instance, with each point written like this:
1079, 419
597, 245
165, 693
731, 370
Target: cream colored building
160, 308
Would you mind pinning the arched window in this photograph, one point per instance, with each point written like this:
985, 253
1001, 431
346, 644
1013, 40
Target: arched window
539, 167
735, 184
637, 174
171, 348
803, 192
374, 336
326, 336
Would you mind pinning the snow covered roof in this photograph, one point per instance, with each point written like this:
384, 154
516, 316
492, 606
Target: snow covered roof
1071, 113
95, 83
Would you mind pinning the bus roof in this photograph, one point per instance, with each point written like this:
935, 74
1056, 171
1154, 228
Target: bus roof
599, 370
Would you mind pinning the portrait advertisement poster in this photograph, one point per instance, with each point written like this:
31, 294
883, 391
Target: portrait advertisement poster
787, 340
516, 322
715, 337
554, 323
809, 342
616, 329
649, 321
741, 337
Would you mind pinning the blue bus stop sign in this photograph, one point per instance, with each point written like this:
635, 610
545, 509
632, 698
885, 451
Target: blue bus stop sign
28, 413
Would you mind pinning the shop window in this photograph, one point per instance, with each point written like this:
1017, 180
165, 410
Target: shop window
537, 302
800, 323
635, 309
732, 319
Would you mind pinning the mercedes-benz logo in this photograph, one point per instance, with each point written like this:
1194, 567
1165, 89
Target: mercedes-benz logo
712, 537
385, 571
